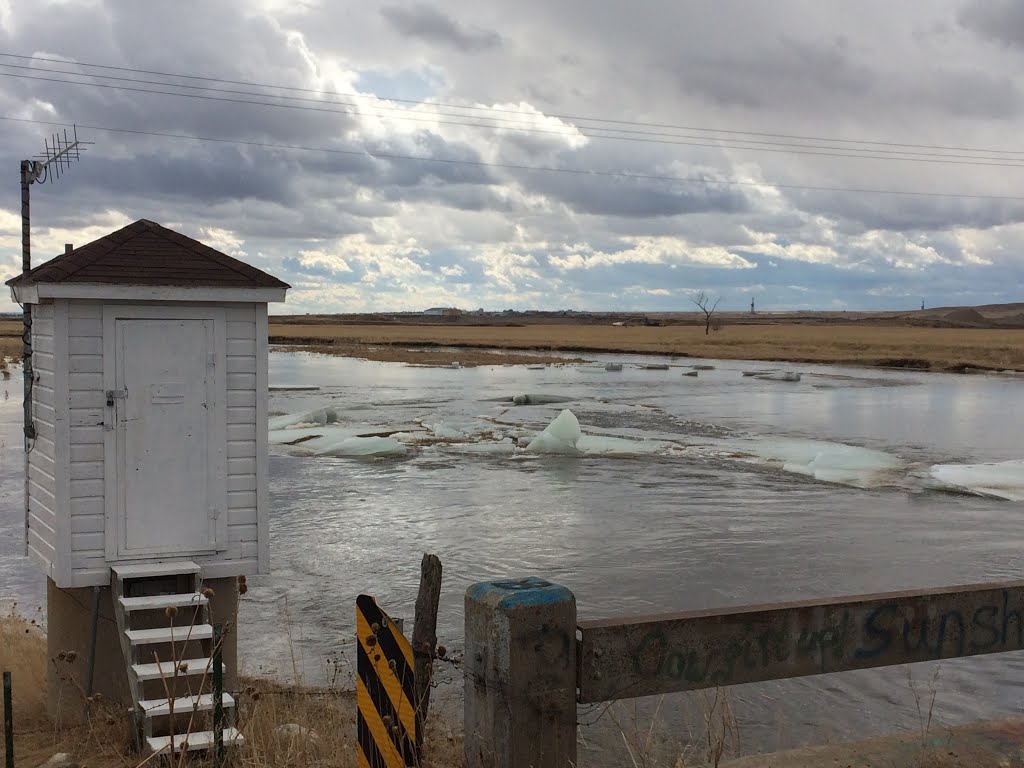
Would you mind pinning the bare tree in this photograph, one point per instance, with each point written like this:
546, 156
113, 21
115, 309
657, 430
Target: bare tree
702, 300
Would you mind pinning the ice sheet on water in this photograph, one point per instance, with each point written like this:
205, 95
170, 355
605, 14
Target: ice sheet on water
504, 447
456, 427
293, 434
446, 431
321, 416
330, 445
1004, 479
607, 445
822, 460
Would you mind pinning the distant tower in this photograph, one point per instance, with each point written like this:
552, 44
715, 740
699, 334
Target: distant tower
922, 304
751, 305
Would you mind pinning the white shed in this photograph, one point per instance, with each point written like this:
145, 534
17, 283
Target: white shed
149, 406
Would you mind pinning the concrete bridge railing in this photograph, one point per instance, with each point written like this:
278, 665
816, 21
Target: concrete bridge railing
529, 660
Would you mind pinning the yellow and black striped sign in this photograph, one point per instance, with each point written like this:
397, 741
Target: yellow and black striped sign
386, 721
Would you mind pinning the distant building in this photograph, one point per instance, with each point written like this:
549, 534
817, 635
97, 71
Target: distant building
435, 311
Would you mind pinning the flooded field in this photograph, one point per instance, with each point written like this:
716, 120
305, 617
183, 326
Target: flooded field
661, 491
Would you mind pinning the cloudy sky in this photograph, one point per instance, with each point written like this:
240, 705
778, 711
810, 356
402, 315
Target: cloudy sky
593, 154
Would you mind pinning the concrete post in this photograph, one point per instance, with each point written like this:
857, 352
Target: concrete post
520, 664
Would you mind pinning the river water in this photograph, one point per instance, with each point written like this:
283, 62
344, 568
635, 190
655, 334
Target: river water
706, 492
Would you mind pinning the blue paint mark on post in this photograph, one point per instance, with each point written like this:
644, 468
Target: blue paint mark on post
521, 592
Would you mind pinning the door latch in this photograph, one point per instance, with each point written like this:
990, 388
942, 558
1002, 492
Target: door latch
115, 394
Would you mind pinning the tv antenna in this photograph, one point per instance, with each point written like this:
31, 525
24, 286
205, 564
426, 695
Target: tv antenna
60, 151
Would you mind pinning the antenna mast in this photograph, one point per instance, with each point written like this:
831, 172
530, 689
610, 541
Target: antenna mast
61, 150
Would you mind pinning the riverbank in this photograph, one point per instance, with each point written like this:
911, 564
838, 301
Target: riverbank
329, 719
869, 342
936, 349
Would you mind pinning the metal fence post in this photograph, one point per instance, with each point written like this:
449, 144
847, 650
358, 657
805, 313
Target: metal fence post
520, 666
218, 699
8, 721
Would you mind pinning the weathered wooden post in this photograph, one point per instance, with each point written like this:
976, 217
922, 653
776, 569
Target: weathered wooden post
424, 637
520, 688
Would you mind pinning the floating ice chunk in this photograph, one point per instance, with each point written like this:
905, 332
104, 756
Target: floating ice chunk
539, 399
605, 445
778, 376
320, 416
655, 367
445, 431
613, 366
1004, 479
560, 436
564, 436
358, 446
828, 462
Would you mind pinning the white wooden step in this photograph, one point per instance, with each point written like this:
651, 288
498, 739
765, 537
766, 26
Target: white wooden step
165, 669
195, 740
183, 705
159, 602
169, 634
152, 570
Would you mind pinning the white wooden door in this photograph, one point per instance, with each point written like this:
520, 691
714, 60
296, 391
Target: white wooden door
169, 457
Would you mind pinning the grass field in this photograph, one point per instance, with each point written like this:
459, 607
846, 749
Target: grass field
926, 348
941, 349
10, 340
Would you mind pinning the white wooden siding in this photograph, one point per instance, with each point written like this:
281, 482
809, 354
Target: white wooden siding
43, 512
86, 405
86, 412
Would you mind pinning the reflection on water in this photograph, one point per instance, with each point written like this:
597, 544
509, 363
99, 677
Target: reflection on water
628, 535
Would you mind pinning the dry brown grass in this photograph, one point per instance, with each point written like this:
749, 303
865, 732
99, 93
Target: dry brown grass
104, 742
873, 345
330, 715
935, 348
10, 342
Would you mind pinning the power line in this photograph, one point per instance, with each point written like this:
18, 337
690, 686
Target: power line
519, 167
581, 129
717, 145
571, 118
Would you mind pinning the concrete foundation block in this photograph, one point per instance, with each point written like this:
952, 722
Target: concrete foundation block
68, 613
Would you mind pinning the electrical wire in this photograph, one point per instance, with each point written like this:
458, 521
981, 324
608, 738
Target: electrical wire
519, 167
571, 118
404, 114
791, 149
